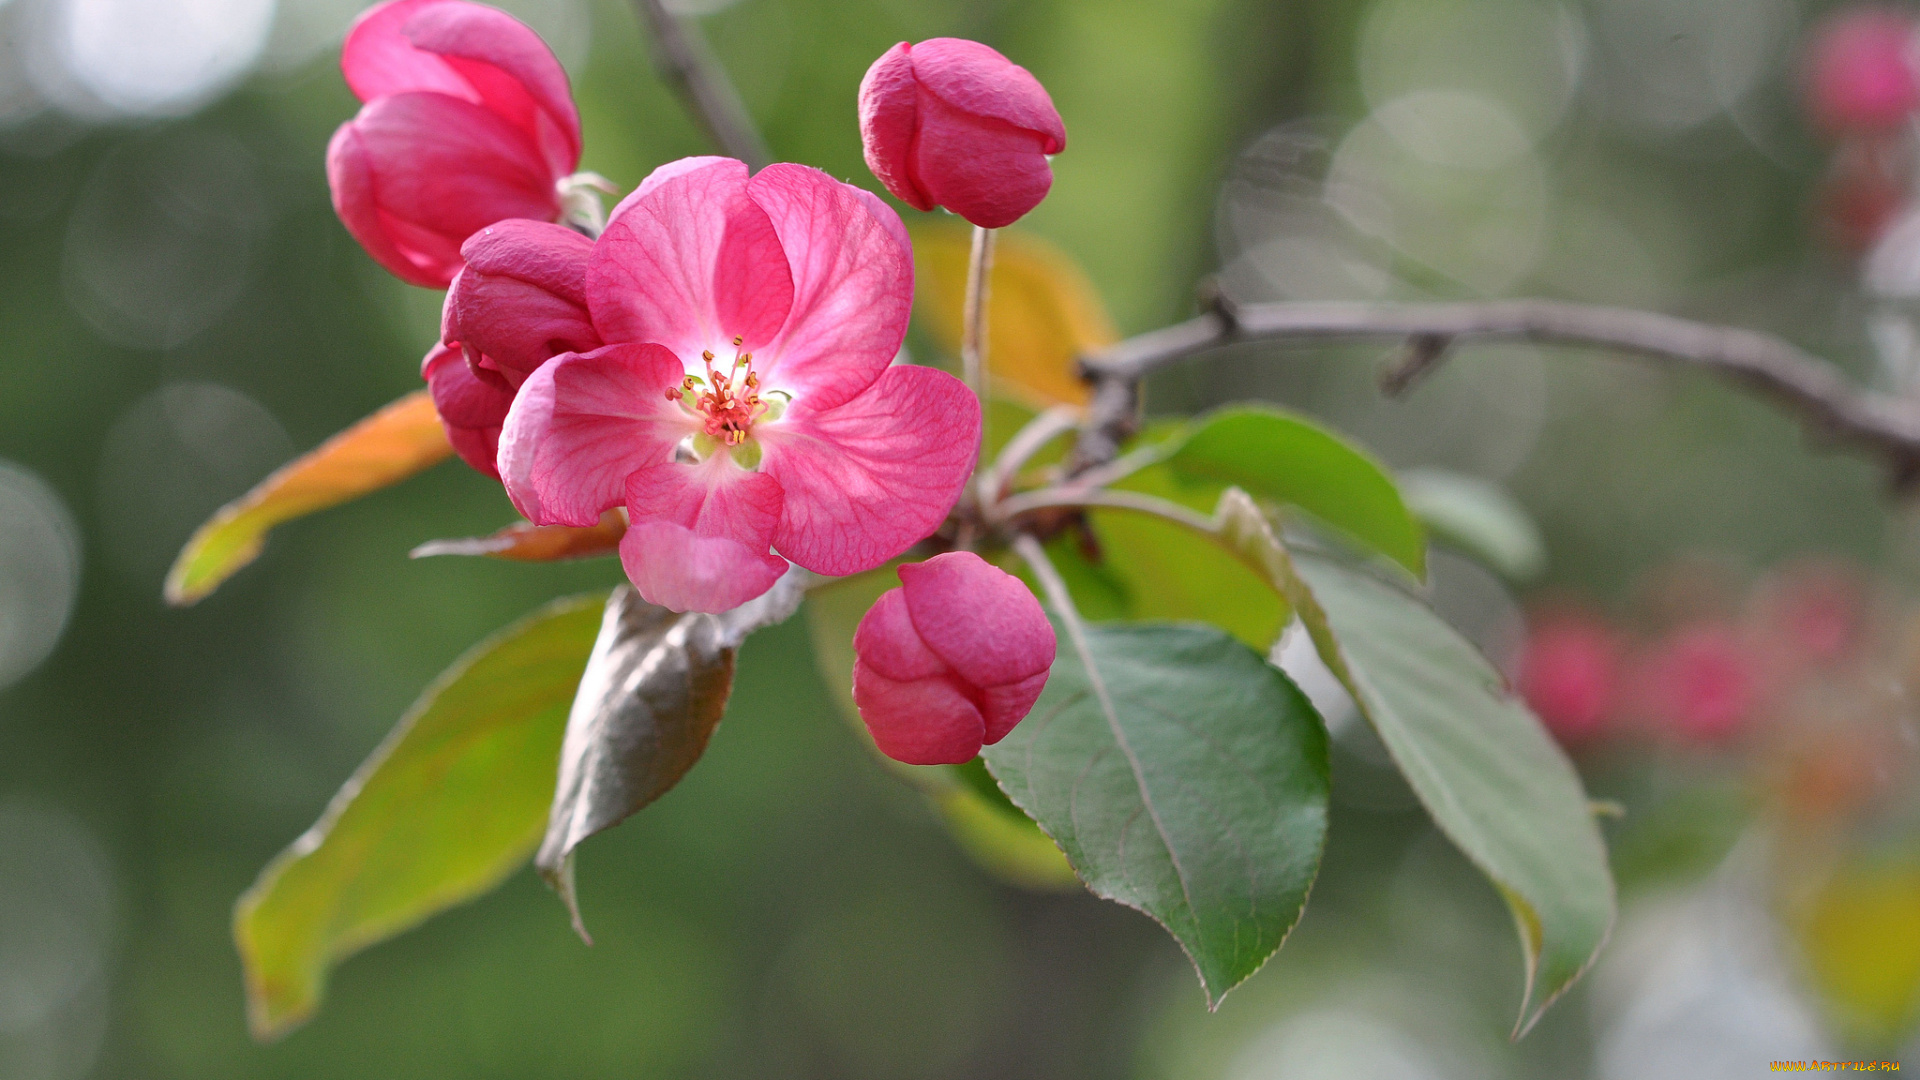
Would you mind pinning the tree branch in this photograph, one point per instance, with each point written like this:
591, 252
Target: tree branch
684, 59
1801, 383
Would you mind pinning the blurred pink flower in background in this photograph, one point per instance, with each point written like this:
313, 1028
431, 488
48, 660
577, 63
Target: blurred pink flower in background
952, 123
950, 660
1700, 684
1570, 673
744, 400
1861, 71
468, 120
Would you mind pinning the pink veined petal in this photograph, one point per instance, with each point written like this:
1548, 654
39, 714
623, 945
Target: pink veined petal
470, 410
691, 264
451, 167
522, 298
886, 641
1003, 707
699, 534
890, 123
350, 179
664, 173
867, 479
977, 80
977, 617
888, 220
920, 722
988, 172
852, 286
582, 424
510, 69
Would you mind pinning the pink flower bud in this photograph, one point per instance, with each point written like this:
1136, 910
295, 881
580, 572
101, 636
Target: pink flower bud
471, 409
1702, 683
520, 300
468, 120
952, 123
951, 660
1570, 674
1861, 74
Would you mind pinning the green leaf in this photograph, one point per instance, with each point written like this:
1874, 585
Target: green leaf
1286, 459
1482, 764
1479, 518
652, 694
1167, 571
1183, 776
449, 804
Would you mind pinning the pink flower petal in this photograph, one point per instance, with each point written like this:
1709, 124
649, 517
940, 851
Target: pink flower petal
522, 298
700, 535
867, 479
664, 173
977, 617
350, 177
510, 68
469, 51
1005, 706
450, 167
852, 286
921, 722
378, 60
470, 410
691, 264
890, 124
886, 641
582, 424
976, 80
985, 171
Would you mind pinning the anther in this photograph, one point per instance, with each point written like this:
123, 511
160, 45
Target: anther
707, 355
737, 341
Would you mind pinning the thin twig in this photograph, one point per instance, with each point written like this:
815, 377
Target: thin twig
1800, 382
682, 54
1020, 449
1056, 498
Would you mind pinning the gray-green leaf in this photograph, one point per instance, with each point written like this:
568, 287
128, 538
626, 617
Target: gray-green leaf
1478, 759
654, 690
1479, 517
1182, 776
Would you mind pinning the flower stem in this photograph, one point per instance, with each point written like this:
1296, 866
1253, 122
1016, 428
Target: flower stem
973, 328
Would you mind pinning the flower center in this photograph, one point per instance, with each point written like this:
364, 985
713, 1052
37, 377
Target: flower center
727, 402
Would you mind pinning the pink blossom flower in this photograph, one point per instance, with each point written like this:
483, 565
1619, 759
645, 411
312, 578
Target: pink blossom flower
1702, 683
519, 301
468, 120
743, 402
1861, 73
1570, 674
952, 123
949, 661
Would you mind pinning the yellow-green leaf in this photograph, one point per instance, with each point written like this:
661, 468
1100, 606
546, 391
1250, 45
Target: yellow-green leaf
452, 802
384, 449
1860, 937
1042, 312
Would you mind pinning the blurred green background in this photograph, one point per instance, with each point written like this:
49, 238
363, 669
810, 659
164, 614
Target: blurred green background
182, 312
